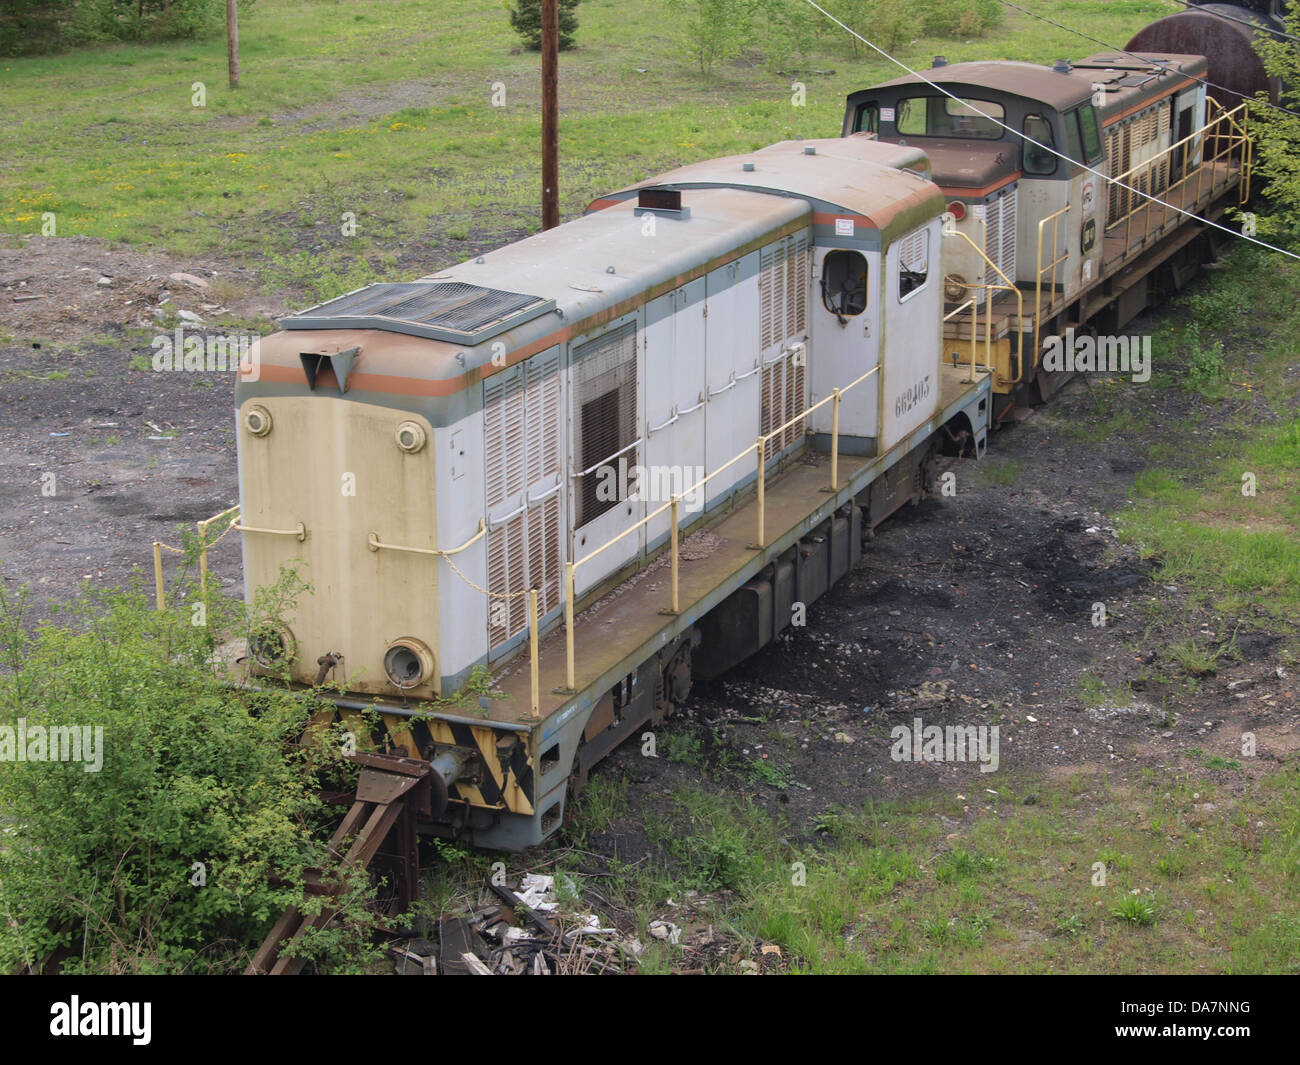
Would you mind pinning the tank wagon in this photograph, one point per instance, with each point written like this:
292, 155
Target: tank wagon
617, 455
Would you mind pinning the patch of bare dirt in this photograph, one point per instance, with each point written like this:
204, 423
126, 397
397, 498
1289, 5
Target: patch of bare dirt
99, 454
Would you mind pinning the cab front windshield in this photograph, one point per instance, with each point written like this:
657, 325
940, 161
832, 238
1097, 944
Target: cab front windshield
943, 116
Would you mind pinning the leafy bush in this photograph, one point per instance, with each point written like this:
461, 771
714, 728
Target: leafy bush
892, 23
1135, 910
1205, 361
960, 18
526, 20
1277, 136
196, 829
34, 26
717, 31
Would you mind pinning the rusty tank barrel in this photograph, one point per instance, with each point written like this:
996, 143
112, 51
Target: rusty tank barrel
1225, 35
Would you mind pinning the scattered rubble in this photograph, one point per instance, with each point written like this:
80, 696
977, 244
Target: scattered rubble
533, 930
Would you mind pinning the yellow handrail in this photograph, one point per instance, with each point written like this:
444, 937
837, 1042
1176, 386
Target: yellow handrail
159, 547
1042, 269
1226, 143
760, 445
973, 304
1007, 285
374, 543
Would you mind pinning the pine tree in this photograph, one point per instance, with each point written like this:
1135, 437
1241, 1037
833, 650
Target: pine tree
526, 19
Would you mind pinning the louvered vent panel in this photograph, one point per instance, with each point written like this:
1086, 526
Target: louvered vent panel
516, 530
1114, 169
799, 281
502, 411
521, 429
767, 296
798, 403
1007, 259
771, 390
992, 239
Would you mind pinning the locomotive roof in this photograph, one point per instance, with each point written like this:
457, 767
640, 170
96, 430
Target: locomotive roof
581, 274
436, 336
1032, 81
1131, 80
885, 184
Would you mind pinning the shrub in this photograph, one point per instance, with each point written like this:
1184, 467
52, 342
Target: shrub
34, 26
197, 828
1277, 136
526, 20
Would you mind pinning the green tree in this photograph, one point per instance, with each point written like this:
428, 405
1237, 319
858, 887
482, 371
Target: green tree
35, 26
1277, 136
526, 20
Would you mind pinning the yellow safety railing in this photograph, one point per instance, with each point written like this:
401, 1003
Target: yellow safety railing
1007, 286
374, 543
1060, 254
973, 304
204, 547
760, 446
1226, 130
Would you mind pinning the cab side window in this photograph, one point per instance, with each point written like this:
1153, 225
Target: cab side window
1038, 161
867, 120
844, 283
913, 262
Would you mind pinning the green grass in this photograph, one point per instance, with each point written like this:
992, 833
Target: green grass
1221, 515
890, 888
384, 110
1002, 471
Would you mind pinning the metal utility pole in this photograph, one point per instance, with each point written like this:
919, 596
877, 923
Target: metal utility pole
550, 114
232, 41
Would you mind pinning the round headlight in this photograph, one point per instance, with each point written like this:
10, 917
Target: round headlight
408, 664
410, 437
957, 209
257, 420
272, 645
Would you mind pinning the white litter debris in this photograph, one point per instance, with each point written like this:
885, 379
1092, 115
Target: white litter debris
665, 930
538, 892
590, 926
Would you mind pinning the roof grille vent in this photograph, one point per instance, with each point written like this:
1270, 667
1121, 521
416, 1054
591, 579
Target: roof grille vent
453, 311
